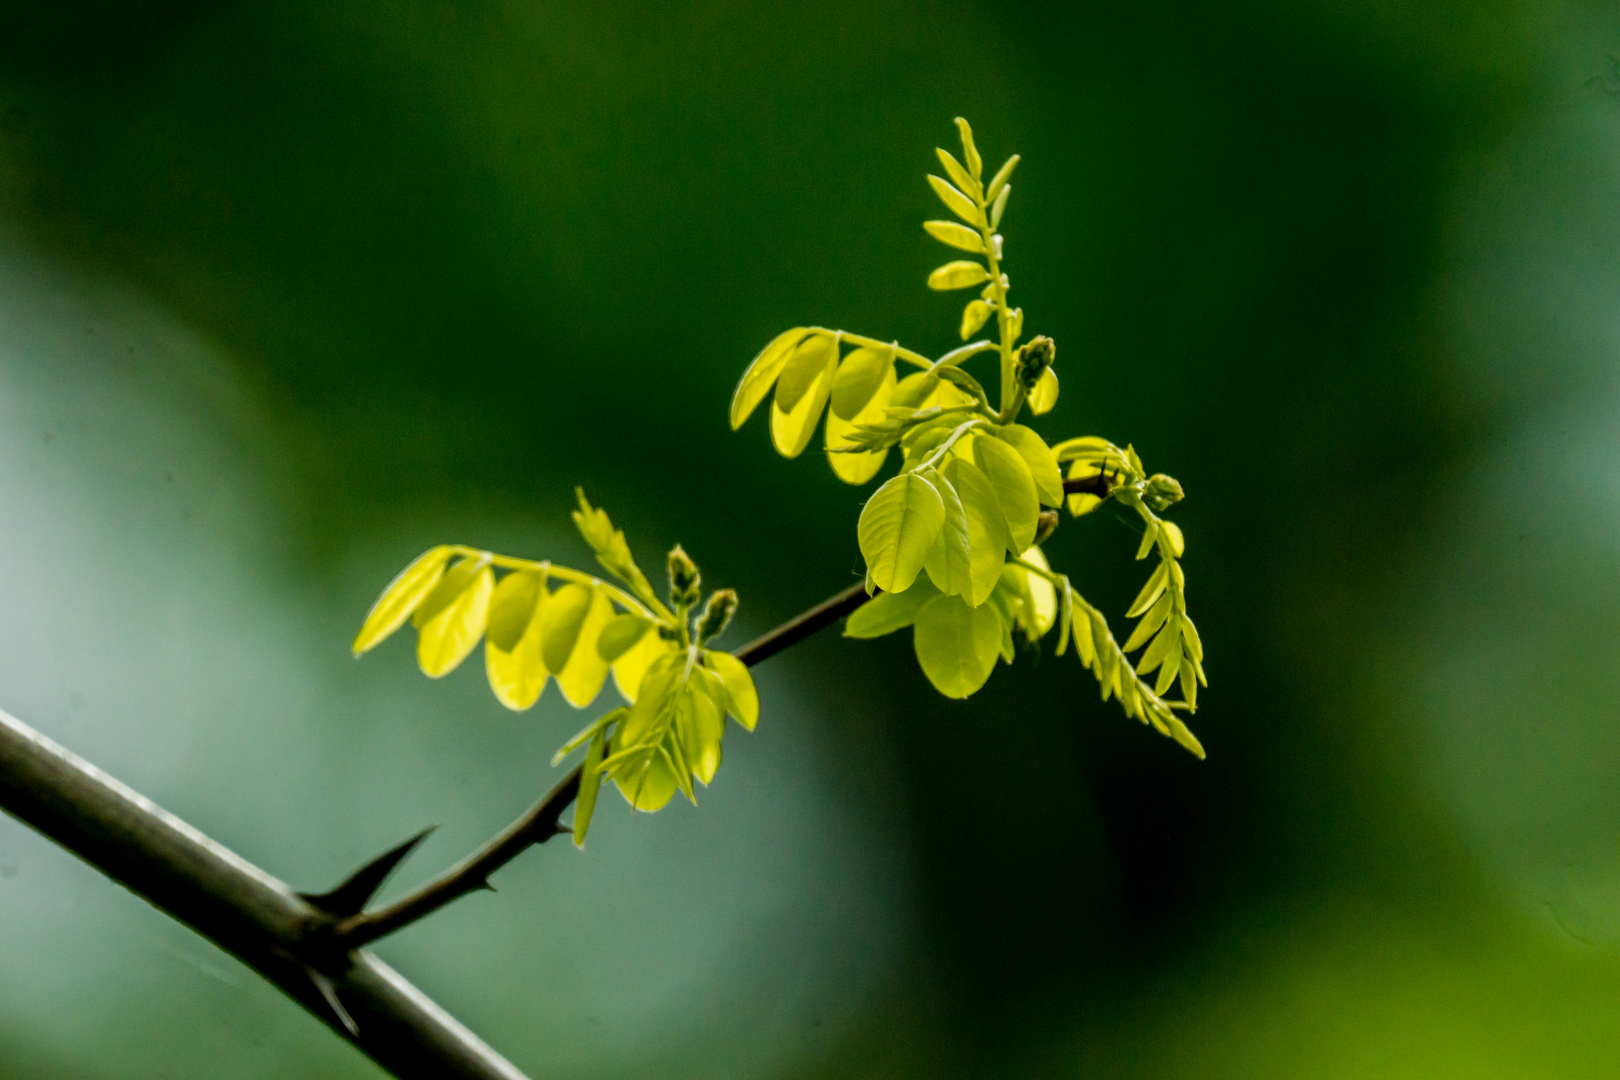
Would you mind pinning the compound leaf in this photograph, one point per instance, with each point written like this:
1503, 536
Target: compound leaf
958, 203
561, 618
742, 699
1043, 465
949, 561
986, 526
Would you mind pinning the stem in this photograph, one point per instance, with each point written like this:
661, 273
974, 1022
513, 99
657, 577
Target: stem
563, 573
238, 906
1009, 382
540, 822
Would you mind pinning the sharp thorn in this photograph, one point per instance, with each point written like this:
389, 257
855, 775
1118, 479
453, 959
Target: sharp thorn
356, 891
329, 992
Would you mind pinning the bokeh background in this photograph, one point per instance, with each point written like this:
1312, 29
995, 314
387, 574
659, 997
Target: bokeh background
289, 292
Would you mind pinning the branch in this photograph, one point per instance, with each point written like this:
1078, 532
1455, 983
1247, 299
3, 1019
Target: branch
540, 822
239, 907
1098, 485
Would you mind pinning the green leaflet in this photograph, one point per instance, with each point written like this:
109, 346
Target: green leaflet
1014, 487
858, 467
590, 785
949, 562
1043, 465
887, 612
762, 373
957, 236
561, 619
999, 181
859, 378
742, 700
445, 639
986, 527
401, 598
958, 203
791, 431
582, 677
612, 550
1045, 394
511, 608
970, 153
897, 528
621, 632
957, 645
998, 207
960, 274
808, 364
455, 581
959, 176
975, 315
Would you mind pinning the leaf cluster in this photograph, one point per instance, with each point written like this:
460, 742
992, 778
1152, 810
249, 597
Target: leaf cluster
951, 540
678, 691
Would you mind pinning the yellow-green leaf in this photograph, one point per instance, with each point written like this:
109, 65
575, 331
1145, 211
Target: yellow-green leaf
859, 377
445, 639
401, 597
986, 527
621, 632
762, 373
651, 786
1015, 325
970, 153
590, 785
957, 275
561, 618
949, 562
806, 365
1043, 465
456, 580
957, 645
517, 672
1041, 592
1015, 489
959, 176
791, 431
999, 181
582, 677
1172, 533
1151, 621
999, 207
742, 699
858, 468
887, 612
702, 728
975, 315
957, 236
1156, 583
629, 669
1045, 393
958, 203
512, 607
897, 529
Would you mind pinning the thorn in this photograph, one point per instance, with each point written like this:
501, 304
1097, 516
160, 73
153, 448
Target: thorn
486, 886
329, 992
351, 897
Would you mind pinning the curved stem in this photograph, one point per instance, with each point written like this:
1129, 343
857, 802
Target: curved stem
541, 821
564, 573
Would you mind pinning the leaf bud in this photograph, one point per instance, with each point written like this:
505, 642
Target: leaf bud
1045, 525
683, 577
1033, 360
717, 613
1161, 491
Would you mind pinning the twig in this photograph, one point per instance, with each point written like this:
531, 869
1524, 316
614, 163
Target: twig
540, 822
1097, 485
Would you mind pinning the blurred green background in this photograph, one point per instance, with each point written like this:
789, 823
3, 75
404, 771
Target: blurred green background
290, 292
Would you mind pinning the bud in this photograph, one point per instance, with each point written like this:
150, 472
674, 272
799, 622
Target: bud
716, 613
1161, 491
683, 578
1045, 525
1033, 360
